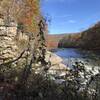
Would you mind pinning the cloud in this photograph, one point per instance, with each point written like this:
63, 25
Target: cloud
63, 16
72, 21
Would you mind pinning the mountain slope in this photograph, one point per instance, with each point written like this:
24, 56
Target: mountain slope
88, 39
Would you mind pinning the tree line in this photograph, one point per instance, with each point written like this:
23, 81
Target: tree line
88, 39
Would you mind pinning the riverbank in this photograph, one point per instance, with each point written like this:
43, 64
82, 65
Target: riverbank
57, 67
89, 60
82, 75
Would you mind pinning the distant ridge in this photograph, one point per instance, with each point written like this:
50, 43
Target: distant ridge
89, 38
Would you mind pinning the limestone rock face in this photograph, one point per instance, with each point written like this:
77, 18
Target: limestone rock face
1, 21
12, 44
8, 46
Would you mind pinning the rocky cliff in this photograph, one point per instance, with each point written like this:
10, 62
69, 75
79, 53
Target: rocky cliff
13, 48
8, 46
17, 50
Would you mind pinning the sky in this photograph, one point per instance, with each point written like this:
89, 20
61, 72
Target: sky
70, 16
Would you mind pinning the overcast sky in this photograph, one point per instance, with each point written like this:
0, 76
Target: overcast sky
68, 16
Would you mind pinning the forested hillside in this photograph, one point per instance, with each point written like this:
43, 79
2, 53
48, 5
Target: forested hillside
88, 39
53, 40
70, 41
58, 40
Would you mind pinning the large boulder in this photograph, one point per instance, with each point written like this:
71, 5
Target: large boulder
53, 58
57, 67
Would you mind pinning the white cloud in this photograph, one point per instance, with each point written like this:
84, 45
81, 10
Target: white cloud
72, 21
63, 16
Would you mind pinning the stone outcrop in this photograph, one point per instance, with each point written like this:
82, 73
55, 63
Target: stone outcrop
8, 45
13, 48
12, 43
57, 68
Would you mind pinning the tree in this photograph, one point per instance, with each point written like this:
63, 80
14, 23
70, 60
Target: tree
22, 11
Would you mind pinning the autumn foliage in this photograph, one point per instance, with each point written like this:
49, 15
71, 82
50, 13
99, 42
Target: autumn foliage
26, 12
88, 39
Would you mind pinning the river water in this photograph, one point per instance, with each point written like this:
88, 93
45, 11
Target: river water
70, 56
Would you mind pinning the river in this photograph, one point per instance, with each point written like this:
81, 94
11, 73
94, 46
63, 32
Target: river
70, 56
